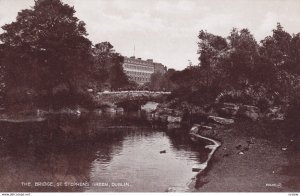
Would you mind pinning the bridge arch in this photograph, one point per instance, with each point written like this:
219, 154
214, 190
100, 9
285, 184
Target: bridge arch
130, 98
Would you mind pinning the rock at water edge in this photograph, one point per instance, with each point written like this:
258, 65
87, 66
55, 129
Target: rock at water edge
220, 120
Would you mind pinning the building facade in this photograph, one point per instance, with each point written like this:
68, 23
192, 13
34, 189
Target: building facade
140, 70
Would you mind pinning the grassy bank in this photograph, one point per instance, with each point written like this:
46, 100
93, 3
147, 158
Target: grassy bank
254, 157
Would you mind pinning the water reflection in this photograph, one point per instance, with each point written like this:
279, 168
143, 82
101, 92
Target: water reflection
102, 152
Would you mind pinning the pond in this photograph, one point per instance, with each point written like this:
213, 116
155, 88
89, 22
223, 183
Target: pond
96, 153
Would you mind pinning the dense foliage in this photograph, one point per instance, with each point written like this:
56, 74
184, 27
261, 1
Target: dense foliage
162, 81
48, 61
46, 54
239, 69
108, 66
2, 70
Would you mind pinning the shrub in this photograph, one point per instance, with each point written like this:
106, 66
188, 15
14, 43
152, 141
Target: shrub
253, 95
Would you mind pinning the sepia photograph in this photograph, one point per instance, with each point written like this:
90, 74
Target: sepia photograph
149, 96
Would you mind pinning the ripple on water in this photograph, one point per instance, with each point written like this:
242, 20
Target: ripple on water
112, 155
142, 165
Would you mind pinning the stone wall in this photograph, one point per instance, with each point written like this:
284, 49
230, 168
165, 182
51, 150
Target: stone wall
113, 98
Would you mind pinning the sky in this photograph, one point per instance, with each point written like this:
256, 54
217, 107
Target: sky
166, 30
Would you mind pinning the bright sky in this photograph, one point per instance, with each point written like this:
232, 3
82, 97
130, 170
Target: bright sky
166, 30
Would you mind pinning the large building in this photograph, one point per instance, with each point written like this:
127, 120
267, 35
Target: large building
140, 70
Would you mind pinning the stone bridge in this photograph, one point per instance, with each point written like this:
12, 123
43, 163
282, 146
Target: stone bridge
123, 97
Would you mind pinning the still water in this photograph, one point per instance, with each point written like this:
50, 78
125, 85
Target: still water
96, 153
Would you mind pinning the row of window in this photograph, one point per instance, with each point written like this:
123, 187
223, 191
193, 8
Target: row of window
138, 62
137, 67
139, 79
135, 73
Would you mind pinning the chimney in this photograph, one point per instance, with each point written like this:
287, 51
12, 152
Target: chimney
150, 60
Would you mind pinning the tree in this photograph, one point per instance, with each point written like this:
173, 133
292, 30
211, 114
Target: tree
47, 52
118, 79
168, 84
295, 53
102, 53
227, 62
187, 78
156, 81
2, 72
277, 48
200, 84
281, 51
242, 57
211, 49
109, 66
